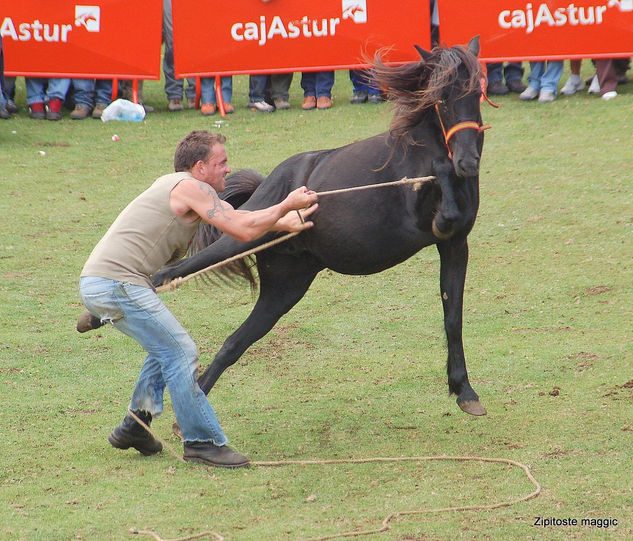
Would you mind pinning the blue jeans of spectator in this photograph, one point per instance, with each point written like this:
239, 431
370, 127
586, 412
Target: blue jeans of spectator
103, 91
41, 90
207, 89
84, 92
8, 87
317, 83
172, 356
545, 75
361, 80
257, 87
173, 87
512, 71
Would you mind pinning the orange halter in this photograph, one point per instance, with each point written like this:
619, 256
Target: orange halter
466, 125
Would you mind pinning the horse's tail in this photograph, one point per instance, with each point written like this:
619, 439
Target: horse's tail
239, 187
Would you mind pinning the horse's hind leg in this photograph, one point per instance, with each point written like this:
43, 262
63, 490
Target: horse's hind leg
284, 279
454, 260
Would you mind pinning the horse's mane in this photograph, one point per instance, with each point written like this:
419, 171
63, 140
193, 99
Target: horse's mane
413, 89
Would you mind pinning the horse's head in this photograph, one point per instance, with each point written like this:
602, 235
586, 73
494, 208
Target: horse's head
456, 80
445, 88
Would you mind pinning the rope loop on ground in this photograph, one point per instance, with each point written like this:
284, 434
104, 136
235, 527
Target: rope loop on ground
385, 524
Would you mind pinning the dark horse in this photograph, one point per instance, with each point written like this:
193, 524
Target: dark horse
436, 130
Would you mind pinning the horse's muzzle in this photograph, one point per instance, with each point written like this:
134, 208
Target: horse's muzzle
466, 166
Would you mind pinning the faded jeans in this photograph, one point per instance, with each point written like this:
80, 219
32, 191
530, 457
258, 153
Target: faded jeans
172, 358
545, 75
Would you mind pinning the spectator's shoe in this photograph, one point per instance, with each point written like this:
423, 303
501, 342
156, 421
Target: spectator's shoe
360, 96
80, 112
546, 96
609, 95
375, 98
131, 434
148, 108
98, 110
207, 452
36, 111
191, 103
175, 104
309, 102
208, 109
4, 113
11, 106
260, 106
572, 86
529, 94
497, 88
282, 104
516, 85
594, 86
229, 109
54, 109
323, 102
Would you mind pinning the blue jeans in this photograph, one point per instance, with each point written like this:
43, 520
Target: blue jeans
41, 90
207, 89
84, 92
317, 83
172, 358
511, 71
361, 81
545, 75
90, 91
257, 87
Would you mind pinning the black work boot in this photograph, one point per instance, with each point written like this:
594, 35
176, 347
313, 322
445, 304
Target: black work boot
207, 452
131, 434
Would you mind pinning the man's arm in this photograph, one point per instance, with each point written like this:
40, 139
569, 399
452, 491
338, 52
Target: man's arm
203, 200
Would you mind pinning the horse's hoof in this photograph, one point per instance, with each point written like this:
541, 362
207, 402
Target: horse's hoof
177, 432
473, 407
84, 323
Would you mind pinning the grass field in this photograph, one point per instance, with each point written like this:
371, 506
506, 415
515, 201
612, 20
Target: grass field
357, 369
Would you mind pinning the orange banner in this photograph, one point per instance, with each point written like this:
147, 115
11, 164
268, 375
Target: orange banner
105, 39
251, 36
554, 30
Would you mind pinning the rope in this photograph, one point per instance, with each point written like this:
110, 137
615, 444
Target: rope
385, 524
177, 282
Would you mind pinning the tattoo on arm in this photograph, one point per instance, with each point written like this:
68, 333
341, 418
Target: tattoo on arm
217, 208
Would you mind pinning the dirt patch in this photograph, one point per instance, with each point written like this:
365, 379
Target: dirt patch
51, 144
620, 392
598, 290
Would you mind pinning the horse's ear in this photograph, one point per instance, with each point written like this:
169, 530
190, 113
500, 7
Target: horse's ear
473, 46
423, 53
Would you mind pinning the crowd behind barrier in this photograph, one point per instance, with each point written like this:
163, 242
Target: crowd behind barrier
45, 97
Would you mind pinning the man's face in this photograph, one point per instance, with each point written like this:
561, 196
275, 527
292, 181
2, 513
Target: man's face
215, 168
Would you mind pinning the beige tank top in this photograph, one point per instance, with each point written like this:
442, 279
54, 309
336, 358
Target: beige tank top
146, 236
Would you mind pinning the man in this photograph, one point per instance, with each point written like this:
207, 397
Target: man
153, 230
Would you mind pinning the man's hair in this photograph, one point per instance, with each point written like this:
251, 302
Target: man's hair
195, 146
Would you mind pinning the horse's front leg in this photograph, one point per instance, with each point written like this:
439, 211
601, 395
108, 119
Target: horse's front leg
448, 212
284, 280
453, 261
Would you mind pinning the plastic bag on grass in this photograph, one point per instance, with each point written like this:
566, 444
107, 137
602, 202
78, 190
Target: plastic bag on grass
123, 110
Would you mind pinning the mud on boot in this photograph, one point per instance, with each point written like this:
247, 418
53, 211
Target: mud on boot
131, 434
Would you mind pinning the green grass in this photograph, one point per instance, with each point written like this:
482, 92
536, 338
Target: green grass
357, 369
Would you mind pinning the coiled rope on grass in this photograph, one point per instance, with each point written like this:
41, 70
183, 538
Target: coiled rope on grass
385, 524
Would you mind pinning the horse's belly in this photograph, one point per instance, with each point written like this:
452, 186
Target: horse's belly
368, 255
